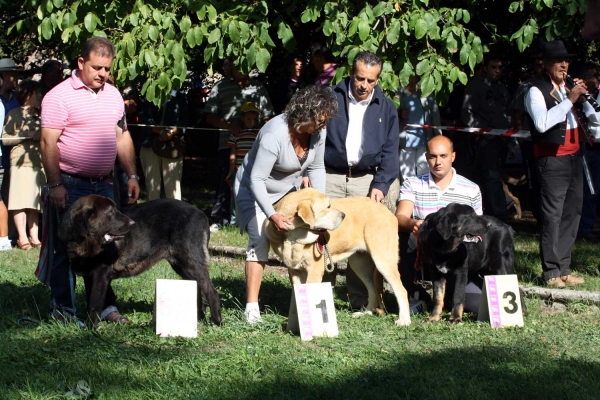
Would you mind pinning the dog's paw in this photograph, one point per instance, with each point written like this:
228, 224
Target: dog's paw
434, 318
359, 314
455, 320
403, 321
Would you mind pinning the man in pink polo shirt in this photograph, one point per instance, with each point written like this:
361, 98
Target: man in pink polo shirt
80, 140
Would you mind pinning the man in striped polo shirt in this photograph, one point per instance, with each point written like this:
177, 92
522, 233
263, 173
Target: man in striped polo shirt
426, 194
80, 141
223, 111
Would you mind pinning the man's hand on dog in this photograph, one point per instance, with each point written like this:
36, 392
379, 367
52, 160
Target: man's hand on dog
417, 226
58, 197
376, 195
133, 190
281, 222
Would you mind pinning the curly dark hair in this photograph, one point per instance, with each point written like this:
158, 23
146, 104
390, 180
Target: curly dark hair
26, 89
309, 103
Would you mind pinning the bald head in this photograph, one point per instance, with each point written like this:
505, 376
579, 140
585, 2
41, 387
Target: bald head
440, 140
440, 156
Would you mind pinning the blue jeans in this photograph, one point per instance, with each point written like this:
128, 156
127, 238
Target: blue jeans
62, 279
590, 201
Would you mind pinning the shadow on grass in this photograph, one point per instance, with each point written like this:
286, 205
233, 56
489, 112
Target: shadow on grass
487, 372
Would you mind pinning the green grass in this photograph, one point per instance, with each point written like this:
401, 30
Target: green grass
556, 354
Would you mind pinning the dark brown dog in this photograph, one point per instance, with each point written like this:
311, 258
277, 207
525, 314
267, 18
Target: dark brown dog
107, 244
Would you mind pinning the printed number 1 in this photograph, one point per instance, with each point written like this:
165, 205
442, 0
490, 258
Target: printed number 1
512, 302
323, 308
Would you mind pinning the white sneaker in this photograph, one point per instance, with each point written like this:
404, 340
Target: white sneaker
214, 228
5, 246
253, 317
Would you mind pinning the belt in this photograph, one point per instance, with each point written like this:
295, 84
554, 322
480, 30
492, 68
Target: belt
349, 172
92, 180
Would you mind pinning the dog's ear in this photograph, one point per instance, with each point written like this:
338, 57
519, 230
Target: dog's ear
305, 212
74, 225
446, 225
476, 226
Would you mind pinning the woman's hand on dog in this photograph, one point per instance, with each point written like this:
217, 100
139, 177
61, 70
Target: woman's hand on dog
281, 222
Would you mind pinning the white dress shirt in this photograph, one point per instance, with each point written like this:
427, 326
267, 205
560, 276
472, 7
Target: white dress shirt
355, 137
544, 119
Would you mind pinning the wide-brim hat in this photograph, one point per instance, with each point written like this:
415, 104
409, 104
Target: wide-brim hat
8, 64
555, 49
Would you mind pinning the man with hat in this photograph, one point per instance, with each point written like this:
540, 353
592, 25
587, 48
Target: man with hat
9, 74
556, 130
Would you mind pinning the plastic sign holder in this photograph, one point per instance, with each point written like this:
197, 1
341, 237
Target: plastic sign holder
501, 301
176, 308
312, 311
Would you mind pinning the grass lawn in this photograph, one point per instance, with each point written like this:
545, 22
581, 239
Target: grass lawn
555, 356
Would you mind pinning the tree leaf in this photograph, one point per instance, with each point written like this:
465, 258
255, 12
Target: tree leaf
244, 31
423, 67
527, 35
464, 53
363, 30
466, 17
46, 28
548, 3
214, 36
427, 85
162, 80
153, 33
185, 24
472, 59
462, 77
190, 38
90, 22
198, 35
134, 19
263, 58
352, 53
148, 58
514, 6
234, 32
454, 74
393, 33
286, 35
420, 28
177, 52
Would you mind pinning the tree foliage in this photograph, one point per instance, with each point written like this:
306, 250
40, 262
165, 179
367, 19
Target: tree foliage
441, 41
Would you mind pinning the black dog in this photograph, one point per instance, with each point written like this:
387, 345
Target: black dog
107, 244
455, 240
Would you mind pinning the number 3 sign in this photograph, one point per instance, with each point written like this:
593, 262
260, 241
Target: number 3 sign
312, 311
501, 301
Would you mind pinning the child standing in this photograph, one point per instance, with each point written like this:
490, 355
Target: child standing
241, 144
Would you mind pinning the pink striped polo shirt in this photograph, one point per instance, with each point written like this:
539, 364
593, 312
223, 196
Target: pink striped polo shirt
88, 143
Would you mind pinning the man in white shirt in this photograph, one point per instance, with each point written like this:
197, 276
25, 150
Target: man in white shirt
556, 132
361, 148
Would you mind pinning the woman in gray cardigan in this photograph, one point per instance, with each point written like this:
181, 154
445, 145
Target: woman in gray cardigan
285, 147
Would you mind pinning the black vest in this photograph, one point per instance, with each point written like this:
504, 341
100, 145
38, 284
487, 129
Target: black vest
556, 134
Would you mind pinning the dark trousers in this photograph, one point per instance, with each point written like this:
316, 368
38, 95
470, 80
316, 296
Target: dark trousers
62, 279
590, 201
533, 184
561, 194
491, 153
220, 213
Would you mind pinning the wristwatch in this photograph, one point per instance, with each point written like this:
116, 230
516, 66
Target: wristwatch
134, 176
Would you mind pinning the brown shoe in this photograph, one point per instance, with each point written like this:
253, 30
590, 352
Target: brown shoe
571, 280
115, 317
555, 282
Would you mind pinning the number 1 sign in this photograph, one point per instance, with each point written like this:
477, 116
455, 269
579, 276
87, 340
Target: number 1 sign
314, 312
501, 301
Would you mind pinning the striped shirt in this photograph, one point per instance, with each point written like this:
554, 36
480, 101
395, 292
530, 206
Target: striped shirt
429, 198
226, 99
242, 143
87, 145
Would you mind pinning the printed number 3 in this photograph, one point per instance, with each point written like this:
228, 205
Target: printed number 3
512, 302
323, 308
